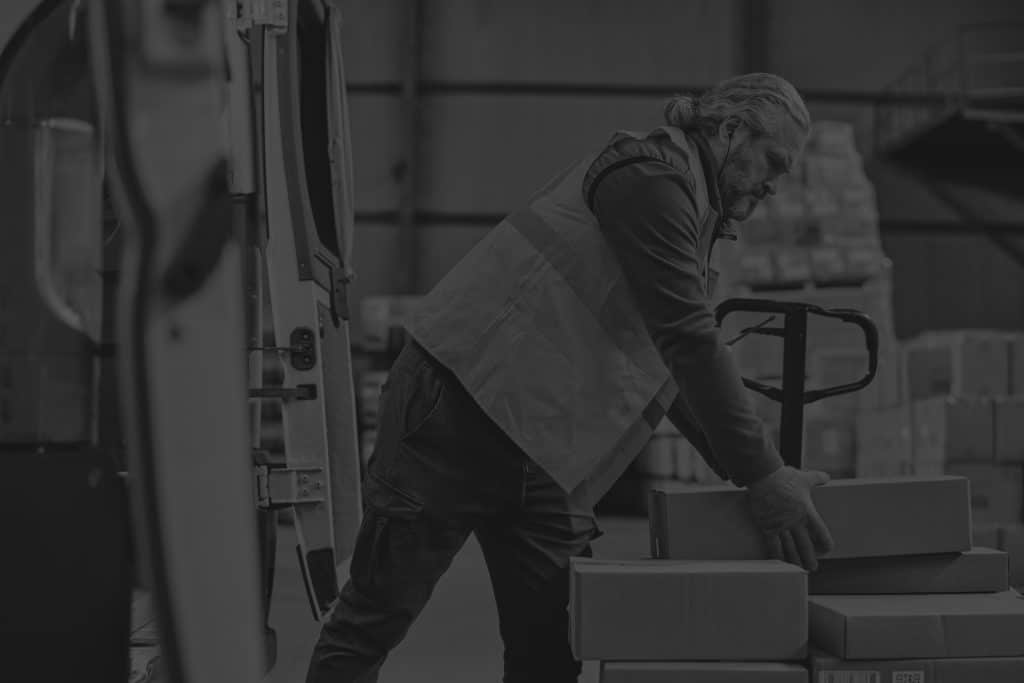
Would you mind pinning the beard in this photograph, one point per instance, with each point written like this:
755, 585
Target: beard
742, 207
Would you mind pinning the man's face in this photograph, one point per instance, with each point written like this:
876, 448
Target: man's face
754, 165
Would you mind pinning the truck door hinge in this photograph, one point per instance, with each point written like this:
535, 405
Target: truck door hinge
278, 487
272, 13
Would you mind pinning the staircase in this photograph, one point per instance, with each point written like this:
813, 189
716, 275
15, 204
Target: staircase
953, 123
959, 110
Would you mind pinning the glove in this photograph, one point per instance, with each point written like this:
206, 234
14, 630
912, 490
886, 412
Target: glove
782, 508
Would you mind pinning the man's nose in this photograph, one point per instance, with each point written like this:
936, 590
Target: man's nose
768, 188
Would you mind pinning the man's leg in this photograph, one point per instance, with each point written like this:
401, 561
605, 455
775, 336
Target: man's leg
428, 485
399, 556
527, 555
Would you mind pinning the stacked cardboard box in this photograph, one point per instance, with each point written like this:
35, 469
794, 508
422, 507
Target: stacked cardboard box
822, 223
954, 409
903, 593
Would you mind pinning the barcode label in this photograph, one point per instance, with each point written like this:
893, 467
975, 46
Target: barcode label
907, 677
849, 677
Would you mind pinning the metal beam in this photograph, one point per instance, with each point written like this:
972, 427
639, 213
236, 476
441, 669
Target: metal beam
429, 88
486, 220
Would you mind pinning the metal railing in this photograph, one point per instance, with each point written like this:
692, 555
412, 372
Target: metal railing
977, 66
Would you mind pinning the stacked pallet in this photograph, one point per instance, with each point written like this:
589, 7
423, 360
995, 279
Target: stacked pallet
957, 407
821, 226
905, 590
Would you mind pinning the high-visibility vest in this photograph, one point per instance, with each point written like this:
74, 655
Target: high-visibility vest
538, 323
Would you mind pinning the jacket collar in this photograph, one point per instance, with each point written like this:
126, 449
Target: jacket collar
711, 169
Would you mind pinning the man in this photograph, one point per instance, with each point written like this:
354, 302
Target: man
541, 364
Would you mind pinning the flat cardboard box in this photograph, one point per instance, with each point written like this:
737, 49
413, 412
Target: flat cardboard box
826, 669
872, 517
885, 443
918, 626
1016, 344
978, 570
1009, 428
1011, 540
653, 610
997, 491
950, 429
702, 672
960, 362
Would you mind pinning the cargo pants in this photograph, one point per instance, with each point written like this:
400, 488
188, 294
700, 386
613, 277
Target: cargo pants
440, 471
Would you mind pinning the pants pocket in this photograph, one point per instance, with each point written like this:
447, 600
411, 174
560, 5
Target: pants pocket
387, 538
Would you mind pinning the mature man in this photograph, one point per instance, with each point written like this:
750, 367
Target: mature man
541, 364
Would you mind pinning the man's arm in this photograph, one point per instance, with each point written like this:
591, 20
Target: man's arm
647, 213
683, 420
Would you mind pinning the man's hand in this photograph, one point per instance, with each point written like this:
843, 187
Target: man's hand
782, 508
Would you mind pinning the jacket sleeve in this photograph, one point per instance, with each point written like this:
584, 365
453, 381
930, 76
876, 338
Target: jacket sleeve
647, 213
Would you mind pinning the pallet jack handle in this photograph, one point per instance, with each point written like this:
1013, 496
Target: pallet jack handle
793, 331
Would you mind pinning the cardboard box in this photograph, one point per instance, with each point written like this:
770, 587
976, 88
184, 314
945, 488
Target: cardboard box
979, 570
793, 264
866, 517
1009, 428
885, 443
828, 263
1016, 344
985, 535
652, 610
657, 458
756, 266
1011, 540
702, 672
949, 429
886, 389
962, 363
997, 491
684, 455
832, 368
826, 669
918, 626
829, 444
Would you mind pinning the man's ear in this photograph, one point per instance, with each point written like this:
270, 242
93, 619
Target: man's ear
727, 128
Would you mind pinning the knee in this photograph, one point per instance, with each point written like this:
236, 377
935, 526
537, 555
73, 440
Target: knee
362, 625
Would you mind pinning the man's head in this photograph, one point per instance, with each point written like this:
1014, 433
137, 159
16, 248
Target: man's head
756, 125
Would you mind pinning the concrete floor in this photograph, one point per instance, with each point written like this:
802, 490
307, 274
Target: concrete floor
455, 639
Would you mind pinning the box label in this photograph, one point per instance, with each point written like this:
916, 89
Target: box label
908, 677
849, 677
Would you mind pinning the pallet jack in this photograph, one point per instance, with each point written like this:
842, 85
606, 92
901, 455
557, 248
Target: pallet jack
793, 331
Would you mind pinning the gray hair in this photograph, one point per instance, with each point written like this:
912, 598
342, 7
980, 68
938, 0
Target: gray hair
756, 99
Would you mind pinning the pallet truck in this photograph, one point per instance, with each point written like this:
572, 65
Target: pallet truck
791, 394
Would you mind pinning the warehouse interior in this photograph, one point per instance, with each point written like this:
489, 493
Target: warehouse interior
907, 206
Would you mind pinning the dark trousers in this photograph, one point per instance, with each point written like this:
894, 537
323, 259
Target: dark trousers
442, 470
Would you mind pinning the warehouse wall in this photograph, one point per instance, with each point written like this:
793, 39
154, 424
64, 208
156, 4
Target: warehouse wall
482, 154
